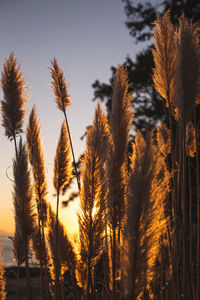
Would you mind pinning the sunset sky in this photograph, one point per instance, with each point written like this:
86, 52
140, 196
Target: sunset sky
86, 37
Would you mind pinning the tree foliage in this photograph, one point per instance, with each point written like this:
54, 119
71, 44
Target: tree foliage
148, 104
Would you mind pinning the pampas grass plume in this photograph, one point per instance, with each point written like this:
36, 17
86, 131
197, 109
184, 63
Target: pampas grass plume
164, 56
24, 210
62, 255
190, 139
188, 68
163, 139
62, 161
59, 86
12, 106
36, 159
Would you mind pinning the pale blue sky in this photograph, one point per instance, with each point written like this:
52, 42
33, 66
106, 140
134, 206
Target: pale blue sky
86, 37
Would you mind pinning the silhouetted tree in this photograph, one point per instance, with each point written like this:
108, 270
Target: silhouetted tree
149, 107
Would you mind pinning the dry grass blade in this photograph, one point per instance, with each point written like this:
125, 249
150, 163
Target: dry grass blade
59, 86
13, 85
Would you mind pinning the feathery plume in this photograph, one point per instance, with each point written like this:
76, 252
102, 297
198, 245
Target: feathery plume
190, 139
101, 136
59, 86
163, 139
66, 254
62, 176
63, 257
164, 56
18, 245
24, 211
62, 161
188, 68
37, 246
145, 215
92, 197
12, 106
62, 100
36, 159
121, 119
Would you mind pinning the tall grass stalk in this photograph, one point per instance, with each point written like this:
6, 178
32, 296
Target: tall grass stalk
12, 106
146, 221
65, 257
36, 159
120, 122
24, 212
62, 176
164, 75
13, 114
91, 217
187, 92
62, 100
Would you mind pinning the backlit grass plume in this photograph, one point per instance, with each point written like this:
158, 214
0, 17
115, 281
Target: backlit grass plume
190, 139
38, 247
188, 68
92, 199
163, 139
18, 245
62, 253
148, 187
62, 100
24, 210
36, 159
164, 56
62, 176
14, 98
101, 138
62, 161
59, 86
18, 252
121, 120
41, 255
